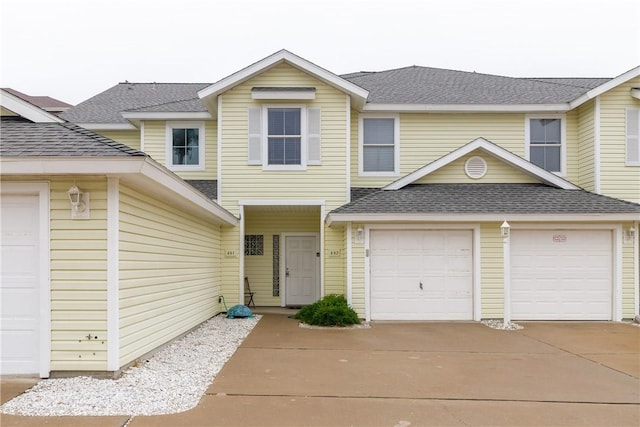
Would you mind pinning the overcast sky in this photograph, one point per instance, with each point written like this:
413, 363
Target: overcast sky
74, 49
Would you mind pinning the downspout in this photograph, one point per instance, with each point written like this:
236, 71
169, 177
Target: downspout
596, 146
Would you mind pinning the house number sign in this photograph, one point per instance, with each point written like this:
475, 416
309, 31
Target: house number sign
559, 238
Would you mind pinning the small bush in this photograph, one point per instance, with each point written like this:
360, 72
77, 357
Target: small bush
332, 310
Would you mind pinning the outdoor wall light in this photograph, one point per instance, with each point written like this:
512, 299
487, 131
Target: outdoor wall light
504, 229
359, 235
79, 203
630, 234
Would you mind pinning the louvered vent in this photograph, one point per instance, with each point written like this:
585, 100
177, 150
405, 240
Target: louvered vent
475, 167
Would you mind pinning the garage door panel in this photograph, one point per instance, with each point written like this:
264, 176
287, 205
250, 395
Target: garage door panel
19, 285
440, 260
561, 274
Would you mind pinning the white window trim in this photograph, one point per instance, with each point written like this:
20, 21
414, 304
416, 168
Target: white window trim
303, 138
563, 138
396, 152
169, 146
626, 137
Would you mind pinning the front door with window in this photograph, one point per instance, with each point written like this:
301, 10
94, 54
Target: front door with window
301, 272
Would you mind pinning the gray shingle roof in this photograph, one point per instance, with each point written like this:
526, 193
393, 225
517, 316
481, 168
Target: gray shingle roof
485, 199
21, 137
208, 187
106, 107
424, 85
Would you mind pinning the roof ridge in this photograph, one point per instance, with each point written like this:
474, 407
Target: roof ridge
161, 103
545, 81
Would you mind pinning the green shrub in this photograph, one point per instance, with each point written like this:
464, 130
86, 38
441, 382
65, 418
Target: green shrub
332, 310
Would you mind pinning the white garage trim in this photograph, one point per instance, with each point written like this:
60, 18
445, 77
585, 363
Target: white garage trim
474, 228
616, 253
40, 189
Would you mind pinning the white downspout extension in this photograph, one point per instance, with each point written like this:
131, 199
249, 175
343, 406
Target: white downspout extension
349, 265
113, 274
506, 256
596, 147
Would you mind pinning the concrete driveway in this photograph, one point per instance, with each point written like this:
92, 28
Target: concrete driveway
419, 374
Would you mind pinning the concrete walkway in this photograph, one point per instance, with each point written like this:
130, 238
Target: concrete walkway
415, 374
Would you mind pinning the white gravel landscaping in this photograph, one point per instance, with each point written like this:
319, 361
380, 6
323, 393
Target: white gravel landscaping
499, 324
171, 381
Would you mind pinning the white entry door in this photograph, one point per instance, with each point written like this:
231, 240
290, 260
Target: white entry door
421, 274
19, 285
301, 271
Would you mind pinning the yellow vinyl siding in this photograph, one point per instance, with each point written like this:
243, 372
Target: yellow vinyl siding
78, 278
155, 145
427, 137
617, 179
6, 113
259, 268
497, 172
231, 251
240, 180
572, 149
130, 138
586, 141
630, 256
491, 271
169, 273
334, 266
357, 275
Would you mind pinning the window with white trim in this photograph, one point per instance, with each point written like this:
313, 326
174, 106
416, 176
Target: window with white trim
379, 146
545, 139
632, 137
284, 137
185, 146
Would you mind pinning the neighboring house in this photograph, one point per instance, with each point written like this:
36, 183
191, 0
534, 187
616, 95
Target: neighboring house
51, 105
419, 193
94, 287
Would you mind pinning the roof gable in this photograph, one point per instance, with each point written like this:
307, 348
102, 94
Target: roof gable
597, 91
210, 94
26, 109
497, 152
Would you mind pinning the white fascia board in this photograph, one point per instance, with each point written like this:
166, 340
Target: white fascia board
358, 94
467, 108
633, 73
135, 169
196, 115
635, 93
493, 150
340, 219
107, 126
27, 109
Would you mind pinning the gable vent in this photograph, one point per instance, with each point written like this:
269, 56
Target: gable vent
475, 167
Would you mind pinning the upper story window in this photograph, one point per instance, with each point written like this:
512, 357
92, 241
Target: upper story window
284, 137
545, 140
185, 146
632, 157
379, 146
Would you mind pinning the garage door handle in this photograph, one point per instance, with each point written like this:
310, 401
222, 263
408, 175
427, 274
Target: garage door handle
420, 285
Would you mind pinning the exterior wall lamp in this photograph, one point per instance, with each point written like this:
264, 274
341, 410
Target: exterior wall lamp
504, 229
629, 235
79, 203
360, 235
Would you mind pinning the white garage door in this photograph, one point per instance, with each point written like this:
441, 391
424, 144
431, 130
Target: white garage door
561, 274
421, 274
19, 285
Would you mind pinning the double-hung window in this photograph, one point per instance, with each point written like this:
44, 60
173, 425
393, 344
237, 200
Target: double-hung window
284, 137
546, 143
185, 146
633, 137
379, 146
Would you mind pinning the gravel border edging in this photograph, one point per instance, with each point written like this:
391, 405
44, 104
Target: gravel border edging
171, 381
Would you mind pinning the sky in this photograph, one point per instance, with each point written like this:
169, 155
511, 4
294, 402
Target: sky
74, 49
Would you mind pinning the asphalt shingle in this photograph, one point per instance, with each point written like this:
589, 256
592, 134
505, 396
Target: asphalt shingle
208, 187
106, 107
21, 137
425, 85
486, 199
